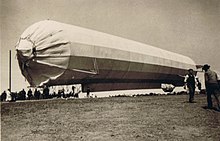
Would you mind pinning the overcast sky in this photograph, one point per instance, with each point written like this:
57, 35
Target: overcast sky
188, 27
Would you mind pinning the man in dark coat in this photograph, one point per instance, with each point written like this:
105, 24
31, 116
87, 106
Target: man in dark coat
37, 94
212, 87
191, 81
46, 92
3, 96
30, 95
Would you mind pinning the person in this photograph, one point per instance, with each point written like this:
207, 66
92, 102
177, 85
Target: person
87, 92
73, 91
23, 94
29, 94
46, 92
212, 87
59, 94
63, 93
191, 81
3, 96
37, 94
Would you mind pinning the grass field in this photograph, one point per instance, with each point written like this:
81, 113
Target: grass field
111, 119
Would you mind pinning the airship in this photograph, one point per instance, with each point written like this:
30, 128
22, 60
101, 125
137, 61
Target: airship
51, 53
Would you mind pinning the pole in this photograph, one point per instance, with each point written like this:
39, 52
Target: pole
10, 69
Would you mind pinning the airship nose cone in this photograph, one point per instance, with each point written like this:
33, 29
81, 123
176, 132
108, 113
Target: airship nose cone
25, 48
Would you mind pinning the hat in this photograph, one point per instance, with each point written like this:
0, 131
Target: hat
205, 67
190, 69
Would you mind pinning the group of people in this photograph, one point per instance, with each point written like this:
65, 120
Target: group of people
37, 94
211, 84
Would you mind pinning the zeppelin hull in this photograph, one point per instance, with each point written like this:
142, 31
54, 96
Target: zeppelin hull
106, 74
65, 54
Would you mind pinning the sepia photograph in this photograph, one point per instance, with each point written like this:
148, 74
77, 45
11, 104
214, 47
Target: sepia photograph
110, 70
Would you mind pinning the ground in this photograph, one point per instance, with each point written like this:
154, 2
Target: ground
143, 118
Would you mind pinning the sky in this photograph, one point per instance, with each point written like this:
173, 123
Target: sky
187, 27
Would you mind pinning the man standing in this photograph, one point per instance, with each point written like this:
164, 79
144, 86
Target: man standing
88, 92
73, 91
46, 92
191, 81
23, 95
212, 87
37, 93
3, 96
30, 95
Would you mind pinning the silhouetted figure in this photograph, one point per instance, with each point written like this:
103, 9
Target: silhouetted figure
87, 91
63, 93
30, 95
73, 92
212, 87
54, 94
3, 96
59, 94
37, 94
46, 92
191, 81
23, 95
